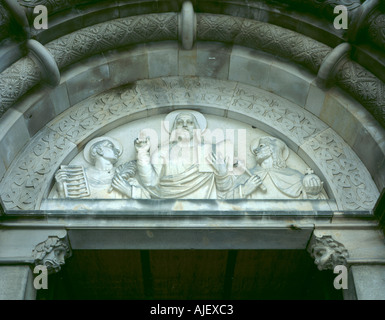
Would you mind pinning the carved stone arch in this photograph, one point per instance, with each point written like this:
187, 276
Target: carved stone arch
30, 176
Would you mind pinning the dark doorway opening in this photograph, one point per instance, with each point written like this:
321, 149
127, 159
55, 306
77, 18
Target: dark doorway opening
191, 274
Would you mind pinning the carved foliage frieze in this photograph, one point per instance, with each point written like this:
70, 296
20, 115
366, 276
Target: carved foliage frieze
262, 36
351, 182
293, 121
29, 175
365, 87
112, 34
17, 80
376, 30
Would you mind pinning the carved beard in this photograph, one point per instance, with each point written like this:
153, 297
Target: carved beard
181, 135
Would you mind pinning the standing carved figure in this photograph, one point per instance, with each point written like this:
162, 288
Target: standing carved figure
173, 171
272, 179
94, 181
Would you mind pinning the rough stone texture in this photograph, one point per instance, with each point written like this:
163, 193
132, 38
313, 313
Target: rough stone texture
369, 282
23, 185
337, 161
262, 36
16, 283
16, 80
4, 23
250, 33
113, 34
363, 86
376, 29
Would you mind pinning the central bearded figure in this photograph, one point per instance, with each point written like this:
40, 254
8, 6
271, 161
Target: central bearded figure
175, 171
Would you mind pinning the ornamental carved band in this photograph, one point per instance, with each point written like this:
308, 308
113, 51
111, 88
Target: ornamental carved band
327, 252
16, 80
52, 253
30, 175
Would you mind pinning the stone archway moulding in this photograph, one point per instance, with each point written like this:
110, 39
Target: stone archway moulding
67, 50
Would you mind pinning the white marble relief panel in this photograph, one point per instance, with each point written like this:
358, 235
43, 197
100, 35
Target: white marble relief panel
254, 109
187, 155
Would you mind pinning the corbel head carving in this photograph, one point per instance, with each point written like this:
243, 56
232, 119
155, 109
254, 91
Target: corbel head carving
327, 252
52, 253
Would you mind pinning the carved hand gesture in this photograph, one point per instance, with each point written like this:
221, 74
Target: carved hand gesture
219, 164
121, 185
142, 145
251, 185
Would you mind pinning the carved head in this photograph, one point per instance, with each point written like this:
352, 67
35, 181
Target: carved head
51, 253
184, 125
328, 253
271, 147
103, 147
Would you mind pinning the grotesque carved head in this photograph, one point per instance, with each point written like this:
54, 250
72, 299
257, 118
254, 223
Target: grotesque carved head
328, 253
51, 253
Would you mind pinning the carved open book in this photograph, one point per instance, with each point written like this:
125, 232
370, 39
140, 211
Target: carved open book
76, 185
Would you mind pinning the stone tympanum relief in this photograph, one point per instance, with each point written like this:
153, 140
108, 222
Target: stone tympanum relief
194, 158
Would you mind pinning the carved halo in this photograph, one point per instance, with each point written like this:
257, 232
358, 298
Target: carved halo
170, 118
86, 152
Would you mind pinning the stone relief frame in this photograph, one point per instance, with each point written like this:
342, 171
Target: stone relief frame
30, 177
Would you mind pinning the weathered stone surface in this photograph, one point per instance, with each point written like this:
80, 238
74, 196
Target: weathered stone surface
344, 169
345, 175
16, 283
363, 86
16, 81
113, 34
26, 180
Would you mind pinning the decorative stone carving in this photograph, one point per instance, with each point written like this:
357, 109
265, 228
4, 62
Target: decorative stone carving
31, 173
113, 34
49, 71
272, 179
16, 81
179, 169
262, 36
188, 164
327, 252
23, 187
364, 86
4, 23
52, 253
102, 179
376, 29
351, 186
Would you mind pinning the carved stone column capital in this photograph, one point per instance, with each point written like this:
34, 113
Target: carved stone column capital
327, 252
52, 253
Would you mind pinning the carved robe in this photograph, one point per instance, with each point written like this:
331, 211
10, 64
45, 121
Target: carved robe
175, 173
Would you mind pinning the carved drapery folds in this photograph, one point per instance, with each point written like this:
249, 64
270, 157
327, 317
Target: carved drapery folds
52, 253
327, 252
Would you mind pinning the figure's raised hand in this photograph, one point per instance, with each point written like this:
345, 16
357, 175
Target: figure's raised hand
219, 164
142, 145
